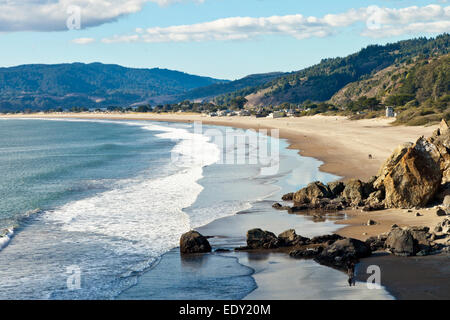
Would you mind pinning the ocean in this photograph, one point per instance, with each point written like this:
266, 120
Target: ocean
105, 202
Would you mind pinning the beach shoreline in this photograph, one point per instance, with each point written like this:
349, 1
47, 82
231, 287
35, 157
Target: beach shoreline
344, 149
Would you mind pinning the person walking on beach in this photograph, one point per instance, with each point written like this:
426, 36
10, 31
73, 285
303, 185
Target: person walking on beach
351, 273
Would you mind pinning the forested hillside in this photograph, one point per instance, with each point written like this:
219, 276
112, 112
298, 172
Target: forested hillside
89, 85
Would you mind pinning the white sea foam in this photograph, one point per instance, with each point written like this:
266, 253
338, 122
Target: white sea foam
5, 238
143, 215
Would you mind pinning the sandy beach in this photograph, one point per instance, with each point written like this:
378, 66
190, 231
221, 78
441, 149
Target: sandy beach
344, 147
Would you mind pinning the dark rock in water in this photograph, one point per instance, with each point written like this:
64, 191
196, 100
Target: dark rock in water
288, 197
354, 192
324, 204
340, 253
299, 208
334, 206
336, 188
401, 242
259, 239
326, 239
313, 192
290, 238
278, 206
220, 250
194, 242
306, 253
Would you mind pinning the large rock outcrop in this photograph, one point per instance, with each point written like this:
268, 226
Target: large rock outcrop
415, 179
194, 242
259, 239
312, 193
415, 175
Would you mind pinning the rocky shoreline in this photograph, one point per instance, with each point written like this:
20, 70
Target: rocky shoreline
413, 177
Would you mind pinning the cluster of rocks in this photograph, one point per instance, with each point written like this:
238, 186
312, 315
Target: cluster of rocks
415, 175
332, 250
412, 241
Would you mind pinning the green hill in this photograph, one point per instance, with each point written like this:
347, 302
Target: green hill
90, 85
322, 81
418, 90
214, 90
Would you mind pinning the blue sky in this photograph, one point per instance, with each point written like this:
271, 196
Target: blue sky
35, 31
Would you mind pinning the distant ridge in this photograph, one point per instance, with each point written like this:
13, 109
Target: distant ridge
41, 86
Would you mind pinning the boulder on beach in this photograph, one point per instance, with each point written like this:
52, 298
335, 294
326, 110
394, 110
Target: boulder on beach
415, 179
259, 239
290, 238
390, 163
343, 251
313, 192
400, 242
194, 242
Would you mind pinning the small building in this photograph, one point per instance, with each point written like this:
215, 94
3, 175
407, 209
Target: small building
276, 114
244, 113
390, 112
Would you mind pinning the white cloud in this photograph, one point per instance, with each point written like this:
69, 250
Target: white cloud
83, 40
51, 15
377, 22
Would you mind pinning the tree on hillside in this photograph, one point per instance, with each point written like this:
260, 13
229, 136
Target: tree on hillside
238, 102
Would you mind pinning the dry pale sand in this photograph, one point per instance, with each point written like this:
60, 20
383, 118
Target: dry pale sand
356, 226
